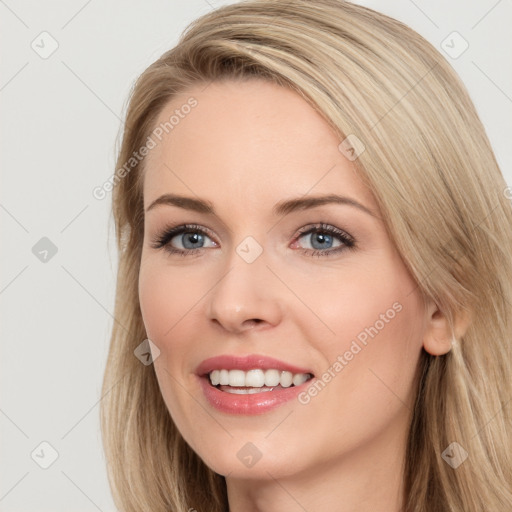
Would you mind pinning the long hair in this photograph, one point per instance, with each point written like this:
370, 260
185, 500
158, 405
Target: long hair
427, 160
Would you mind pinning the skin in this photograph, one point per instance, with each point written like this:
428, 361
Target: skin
245, 147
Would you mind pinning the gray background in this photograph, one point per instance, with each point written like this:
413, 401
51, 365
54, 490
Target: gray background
60, 119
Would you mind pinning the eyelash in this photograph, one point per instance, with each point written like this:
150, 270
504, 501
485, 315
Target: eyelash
162, 240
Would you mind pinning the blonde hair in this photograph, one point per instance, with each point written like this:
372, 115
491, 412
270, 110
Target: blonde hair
428, 162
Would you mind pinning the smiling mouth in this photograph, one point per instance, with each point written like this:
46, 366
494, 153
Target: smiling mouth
255, 381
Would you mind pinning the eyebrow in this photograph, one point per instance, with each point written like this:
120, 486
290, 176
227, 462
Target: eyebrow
280, 209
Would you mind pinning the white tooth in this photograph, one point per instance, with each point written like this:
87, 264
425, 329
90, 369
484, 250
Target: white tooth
236, 378
255, 378
299, 379
224, 377
272, 378
215, 377
286, 379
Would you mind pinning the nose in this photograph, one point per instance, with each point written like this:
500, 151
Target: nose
245, 297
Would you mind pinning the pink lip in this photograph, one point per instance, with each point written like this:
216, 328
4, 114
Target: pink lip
257, 403
246, 363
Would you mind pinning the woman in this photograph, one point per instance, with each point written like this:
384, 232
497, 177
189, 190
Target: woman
316, 256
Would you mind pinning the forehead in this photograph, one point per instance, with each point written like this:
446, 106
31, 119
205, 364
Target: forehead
251, 143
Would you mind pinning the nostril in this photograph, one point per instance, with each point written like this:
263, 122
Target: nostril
252, 322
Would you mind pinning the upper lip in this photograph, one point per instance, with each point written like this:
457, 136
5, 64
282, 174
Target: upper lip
246, 363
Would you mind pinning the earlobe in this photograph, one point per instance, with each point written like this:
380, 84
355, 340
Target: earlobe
438, 336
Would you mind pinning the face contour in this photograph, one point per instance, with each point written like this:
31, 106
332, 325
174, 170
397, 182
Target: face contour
320, 288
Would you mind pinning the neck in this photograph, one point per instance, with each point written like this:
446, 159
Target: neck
368, 478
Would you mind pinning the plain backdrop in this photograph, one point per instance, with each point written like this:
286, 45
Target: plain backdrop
66, 71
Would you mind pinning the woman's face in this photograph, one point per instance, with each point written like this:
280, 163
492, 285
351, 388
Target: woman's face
254, 280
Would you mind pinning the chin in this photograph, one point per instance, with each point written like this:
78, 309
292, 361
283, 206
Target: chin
246, 459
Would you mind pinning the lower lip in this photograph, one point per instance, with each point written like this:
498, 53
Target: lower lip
256, 403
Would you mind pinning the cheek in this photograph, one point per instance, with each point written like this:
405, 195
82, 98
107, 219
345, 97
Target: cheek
166, 297
369, 330
348, 300
166, 301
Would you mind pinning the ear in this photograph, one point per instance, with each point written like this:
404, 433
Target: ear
438, 336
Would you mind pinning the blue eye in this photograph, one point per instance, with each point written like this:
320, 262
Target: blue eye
190, 236
321, 238
189, 239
